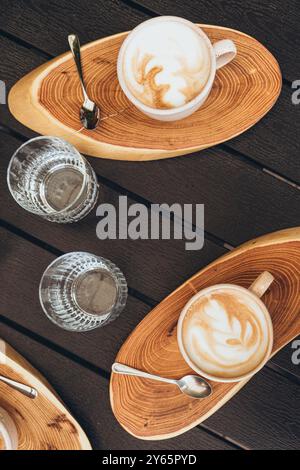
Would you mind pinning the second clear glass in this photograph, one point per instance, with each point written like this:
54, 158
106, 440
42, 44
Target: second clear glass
80, 291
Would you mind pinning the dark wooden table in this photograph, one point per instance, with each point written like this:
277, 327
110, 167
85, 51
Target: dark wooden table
250, 186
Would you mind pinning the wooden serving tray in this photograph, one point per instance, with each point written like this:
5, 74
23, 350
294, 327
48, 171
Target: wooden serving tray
154, 410
43, 423
48, 100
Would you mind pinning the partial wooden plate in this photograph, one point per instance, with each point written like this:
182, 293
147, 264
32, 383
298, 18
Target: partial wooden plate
154, 410
43, 423
48, 99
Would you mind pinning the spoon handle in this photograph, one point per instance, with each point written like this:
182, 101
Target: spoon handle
22, 388
75, 49
126, 370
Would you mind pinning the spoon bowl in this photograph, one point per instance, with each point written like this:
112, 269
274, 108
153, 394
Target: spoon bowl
89, 118
194, 386
191, 385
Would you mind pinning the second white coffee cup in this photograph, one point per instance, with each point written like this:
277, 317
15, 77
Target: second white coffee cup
8, 432
219, 343
221, 53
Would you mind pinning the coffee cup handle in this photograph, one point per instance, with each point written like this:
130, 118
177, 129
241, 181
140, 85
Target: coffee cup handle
225, 52
261, 284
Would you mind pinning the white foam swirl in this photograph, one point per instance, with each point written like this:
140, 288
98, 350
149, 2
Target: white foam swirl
166, 64
226, 334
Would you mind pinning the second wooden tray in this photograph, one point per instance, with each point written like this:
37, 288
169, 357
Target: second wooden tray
48, 100
43, 423
155, 410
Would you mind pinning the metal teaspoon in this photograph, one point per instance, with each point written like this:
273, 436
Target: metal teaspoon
192, 385
89, 112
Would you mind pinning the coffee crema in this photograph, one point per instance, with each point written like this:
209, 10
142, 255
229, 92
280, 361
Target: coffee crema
225, 333
166, 64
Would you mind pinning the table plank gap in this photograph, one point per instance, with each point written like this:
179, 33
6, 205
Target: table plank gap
151, 12
54, 346
283, 372
249, 161
27, 45
234, 442
55, 251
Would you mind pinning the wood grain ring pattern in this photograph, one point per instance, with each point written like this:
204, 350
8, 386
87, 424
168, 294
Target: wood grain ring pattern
155, 410
48, 100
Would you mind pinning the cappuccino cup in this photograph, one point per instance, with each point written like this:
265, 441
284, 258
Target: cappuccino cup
167, 65
225, 332
8, 432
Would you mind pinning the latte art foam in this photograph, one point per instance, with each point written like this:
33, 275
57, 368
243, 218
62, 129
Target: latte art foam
166, 64
225, 333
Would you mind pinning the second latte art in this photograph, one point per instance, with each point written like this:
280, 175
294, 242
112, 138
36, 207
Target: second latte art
166, 64
225, 333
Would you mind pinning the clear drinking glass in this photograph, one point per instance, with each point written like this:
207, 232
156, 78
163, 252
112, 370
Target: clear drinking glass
49, 177
80, 291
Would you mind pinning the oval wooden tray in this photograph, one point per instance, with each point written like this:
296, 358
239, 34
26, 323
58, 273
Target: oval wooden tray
48, 100
154, 410
42, 423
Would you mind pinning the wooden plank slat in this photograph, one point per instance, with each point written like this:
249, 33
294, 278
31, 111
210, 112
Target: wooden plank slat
258, 425
271, 142
46, 25
16, 58
86, 393
232, 192
20, 270
274, 23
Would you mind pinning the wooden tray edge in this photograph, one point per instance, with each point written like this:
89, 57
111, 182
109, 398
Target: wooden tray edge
161, 437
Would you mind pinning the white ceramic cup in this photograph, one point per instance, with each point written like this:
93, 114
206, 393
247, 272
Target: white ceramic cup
221, 53
8, 431
255, 291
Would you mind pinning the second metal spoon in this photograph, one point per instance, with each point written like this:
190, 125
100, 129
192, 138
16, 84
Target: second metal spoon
89, 112
191, 385
22, 388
